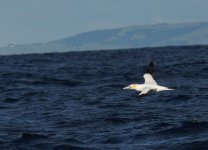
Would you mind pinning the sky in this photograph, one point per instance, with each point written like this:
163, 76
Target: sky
31, 21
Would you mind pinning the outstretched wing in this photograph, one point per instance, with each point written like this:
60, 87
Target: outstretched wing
150, 69
144, 91
148, 79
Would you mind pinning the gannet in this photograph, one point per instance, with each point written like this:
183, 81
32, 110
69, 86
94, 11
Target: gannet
149, 83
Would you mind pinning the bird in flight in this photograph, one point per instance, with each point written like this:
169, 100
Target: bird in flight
149, 83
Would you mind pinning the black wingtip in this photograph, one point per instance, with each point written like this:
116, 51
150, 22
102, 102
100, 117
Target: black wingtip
150, 69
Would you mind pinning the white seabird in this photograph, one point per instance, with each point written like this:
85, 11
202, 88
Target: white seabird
149, 84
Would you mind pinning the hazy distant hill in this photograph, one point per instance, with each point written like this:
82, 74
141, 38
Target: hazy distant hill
126, 37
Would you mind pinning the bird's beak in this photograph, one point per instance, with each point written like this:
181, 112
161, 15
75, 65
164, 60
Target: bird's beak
128, 87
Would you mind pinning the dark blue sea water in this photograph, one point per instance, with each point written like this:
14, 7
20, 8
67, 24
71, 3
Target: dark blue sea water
75, 100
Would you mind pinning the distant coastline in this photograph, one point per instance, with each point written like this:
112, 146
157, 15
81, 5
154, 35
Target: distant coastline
189, 47
140, 36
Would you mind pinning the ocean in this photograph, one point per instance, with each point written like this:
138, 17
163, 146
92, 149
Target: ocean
75, 100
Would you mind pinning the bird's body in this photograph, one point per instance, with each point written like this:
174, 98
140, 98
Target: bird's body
149, 85
141, 87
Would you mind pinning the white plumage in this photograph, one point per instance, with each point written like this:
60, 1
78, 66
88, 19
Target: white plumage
149, 85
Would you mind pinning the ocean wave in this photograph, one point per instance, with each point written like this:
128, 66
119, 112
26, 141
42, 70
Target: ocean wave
186, 128
26, 137
76, 101
10, 100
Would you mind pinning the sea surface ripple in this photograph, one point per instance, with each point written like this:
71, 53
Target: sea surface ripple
75, 100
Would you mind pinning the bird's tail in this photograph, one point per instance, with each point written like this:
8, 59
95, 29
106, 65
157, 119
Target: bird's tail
168, 89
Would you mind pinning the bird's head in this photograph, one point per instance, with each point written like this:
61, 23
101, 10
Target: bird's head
132, 87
